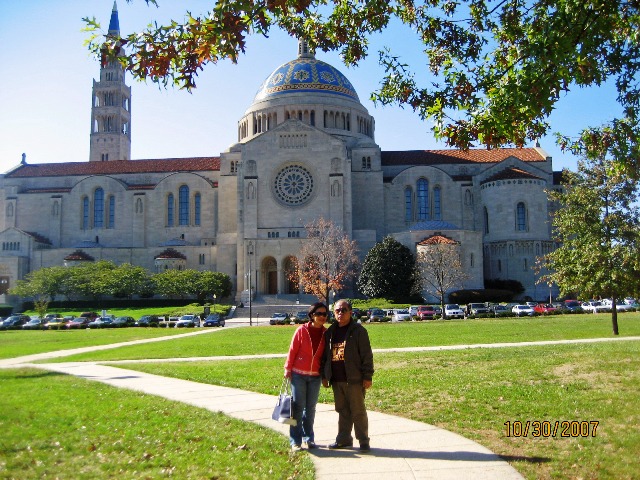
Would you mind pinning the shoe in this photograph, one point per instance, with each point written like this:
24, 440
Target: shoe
295, 448
364, 447
336, 445
311, 445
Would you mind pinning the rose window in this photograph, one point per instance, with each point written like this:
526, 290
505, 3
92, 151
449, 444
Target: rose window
293, 185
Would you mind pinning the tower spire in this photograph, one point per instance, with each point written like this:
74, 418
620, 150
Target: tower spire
303, 49
111, 108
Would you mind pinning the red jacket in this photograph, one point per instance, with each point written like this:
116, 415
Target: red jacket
301, 358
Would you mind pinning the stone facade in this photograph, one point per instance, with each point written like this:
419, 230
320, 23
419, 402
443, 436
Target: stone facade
305, 149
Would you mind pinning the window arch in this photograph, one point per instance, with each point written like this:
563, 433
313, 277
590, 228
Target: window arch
521, 217
408, 204
423, 199
183, 205
111, 212
170, 210
85, 213
437, 212
98, 208
485, 214
196, 209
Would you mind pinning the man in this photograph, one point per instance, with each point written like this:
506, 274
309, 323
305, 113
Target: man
347, 365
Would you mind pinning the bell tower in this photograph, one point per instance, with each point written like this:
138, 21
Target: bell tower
111, 108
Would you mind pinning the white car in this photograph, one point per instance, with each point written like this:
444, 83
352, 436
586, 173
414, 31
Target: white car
521, 310
595, 307
453, 310
401, 316
189, 321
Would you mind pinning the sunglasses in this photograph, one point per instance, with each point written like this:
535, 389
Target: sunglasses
341, 310
319, 314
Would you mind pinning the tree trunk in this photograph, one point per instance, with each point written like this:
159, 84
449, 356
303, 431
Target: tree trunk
614, 316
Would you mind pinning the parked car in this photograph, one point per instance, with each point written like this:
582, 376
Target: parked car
572, 305
14, 322
426, 312
356, 313
101, 322
51, 316
624, 307
476, 309
189, 321
76, 322
279, 319
595, 307
55, 323
120, 322
498, 309
213, 320
522, 310
148, 321
453, 310
91, 316
401, 316
544, 308
34, 324
376, 315
301, 317
413, 310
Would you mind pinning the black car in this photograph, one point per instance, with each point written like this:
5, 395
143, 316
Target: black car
213, 320
124, 322
148, 321
14, 322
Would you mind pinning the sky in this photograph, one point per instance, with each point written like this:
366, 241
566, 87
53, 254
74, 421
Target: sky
47, 73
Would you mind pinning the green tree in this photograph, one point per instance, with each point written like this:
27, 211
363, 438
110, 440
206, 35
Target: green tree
496, 68
211, 283
388, 271
42, 284
598, 228
127, 280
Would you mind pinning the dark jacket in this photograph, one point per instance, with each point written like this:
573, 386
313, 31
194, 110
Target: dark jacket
358, 356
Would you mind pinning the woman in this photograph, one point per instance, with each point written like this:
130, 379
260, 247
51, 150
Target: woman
303, 368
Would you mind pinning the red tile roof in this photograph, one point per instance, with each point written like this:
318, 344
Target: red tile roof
170, 253
431, 157
114, 167
79, 256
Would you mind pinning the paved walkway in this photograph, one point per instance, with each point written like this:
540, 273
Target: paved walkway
400, 448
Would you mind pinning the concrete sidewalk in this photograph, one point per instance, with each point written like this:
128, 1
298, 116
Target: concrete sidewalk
400, 448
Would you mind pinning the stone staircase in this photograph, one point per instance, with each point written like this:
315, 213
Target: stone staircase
264, 306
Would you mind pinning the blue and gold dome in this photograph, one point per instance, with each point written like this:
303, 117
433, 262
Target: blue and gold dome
305, 74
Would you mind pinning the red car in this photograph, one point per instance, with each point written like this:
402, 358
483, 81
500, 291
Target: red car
544, 308
426, 312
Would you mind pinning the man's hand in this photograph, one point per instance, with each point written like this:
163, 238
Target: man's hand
325, 383
366, 384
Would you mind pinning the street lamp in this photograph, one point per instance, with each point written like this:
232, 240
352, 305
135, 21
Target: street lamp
250, 254
214, 303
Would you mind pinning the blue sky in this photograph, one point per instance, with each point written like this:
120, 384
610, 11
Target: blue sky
45, 89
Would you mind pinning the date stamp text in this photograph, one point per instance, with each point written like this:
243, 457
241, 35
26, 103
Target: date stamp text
554, 428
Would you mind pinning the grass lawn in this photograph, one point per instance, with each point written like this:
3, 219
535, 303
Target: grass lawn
472, 392
275, 339
58, 426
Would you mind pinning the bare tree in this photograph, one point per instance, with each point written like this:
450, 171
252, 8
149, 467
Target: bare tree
329, 259
439, 266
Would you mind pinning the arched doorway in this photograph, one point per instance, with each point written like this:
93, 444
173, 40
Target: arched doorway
291, 284
270, 269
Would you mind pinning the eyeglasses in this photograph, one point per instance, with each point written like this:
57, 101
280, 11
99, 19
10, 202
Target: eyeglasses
341, 310
319, 314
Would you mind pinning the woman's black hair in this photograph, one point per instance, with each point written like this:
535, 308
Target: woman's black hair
315, 307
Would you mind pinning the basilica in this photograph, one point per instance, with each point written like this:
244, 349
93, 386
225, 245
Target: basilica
305, 149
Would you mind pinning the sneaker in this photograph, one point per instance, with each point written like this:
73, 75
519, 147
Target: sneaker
364, 447
336, 445
311, 445
295, 448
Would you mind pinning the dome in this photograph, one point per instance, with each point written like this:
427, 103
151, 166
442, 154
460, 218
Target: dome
305, 74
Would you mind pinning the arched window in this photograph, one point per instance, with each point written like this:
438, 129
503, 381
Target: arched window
521, 217
183, 205
85, 213
408, 204
112, 212
423, 199
485, 213
98, 208
196, 208
170, 210
437, 213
